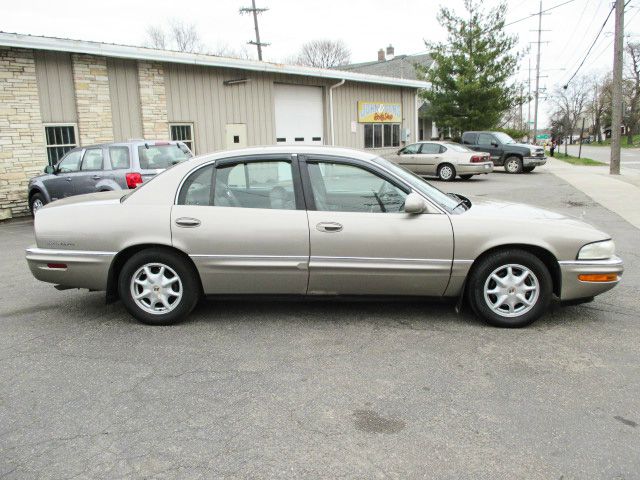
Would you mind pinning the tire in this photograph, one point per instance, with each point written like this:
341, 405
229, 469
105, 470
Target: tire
528, 169
180, 296
466, 177
36, 202
446, 172
513, 164
536, 288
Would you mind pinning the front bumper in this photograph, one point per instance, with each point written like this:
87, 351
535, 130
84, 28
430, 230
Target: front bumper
573, 288
474, 168
533, 161
83, 269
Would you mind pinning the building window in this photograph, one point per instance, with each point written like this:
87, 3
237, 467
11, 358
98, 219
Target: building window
59, 139
183, 132
379, 135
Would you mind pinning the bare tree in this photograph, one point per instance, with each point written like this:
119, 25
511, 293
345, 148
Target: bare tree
632, 94
178, 35
323, 54
571, 104
597, 106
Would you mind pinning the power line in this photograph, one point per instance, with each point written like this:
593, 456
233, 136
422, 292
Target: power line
589, 51
536, 14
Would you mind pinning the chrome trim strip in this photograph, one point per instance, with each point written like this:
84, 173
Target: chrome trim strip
609, 262
51, 252
381, 259
249, 257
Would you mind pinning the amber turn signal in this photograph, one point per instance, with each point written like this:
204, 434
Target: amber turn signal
598, 277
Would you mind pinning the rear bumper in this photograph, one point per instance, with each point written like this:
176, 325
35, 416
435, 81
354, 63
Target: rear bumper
573, 288
474, 168
83, 269
533, 161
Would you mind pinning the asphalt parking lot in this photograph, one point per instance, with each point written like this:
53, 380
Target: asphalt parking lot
322, 389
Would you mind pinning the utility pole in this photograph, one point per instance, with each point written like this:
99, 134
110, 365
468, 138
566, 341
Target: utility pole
255, 12
529, 103
537, 92
581, 133
616, 94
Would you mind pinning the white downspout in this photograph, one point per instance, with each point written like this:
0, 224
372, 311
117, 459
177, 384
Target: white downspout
333, 135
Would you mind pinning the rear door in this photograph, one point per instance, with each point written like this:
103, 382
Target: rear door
244, 224
62, 183
428, 158
91, 170
362, 241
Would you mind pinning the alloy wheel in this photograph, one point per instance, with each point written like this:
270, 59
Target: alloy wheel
156, 288
36, 205
446, 172
513, 166
511, 290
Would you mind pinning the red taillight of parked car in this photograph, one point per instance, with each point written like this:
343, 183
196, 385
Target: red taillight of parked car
478, 159
133, 180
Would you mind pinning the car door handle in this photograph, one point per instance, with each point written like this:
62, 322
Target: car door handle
68, 179
96, 177
329, 227
187, 222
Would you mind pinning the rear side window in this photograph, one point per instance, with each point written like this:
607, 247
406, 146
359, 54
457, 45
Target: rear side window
430, 148
120, 157
485, 139
196, 190
469, 138
92, 159
161, 156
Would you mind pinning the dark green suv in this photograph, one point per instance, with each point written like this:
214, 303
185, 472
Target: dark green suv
505, 151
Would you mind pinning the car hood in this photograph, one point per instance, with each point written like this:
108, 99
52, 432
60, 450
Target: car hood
489, 208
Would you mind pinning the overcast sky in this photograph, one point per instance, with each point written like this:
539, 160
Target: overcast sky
365, 26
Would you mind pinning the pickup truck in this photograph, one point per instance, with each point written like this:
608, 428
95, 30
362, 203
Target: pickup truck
505, 151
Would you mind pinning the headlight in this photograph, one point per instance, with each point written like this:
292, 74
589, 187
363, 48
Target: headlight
597, 251
533, 152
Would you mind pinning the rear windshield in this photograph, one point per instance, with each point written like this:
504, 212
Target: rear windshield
161, 156
457, 147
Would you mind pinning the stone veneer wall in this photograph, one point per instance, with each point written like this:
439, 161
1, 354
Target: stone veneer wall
22, 147
153, 101
93, 102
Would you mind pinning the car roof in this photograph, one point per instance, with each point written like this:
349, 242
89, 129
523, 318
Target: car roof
138, 141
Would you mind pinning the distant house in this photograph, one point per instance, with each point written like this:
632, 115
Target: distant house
401, 66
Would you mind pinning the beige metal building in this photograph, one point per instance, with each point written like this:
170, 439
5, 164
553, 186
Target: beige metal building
56, 94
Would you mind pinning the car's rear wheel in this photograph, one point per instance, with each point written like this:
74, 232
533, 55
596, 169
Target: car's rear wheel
36, 202
513, 165
510, 288
466, 177
528, 169
446, 172
158, 287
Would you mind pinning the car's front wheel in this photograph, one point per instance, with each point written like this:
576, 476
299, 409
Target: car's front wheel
513, 165
509, 288
36, 202
158, 287
446, 172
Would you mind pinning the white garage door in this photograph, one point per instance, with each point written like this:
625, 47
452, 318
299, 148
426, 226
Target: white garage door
299, 116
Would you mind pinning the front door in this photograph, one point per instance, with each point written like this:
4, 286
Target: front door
362, 242
243, 223
488, 143
63, 183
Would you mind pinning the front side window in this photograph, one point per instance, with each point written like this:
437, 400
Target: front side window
485, 139
160, 156
378, 135
349, 188
92, 159
120, 158
60, 139
70, 163
267, 184
183, 133
411, 149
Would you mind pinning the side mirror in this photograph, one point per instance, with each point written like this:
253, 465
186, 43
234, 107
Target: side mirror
49, 169
414, 203
401, 151
494, 144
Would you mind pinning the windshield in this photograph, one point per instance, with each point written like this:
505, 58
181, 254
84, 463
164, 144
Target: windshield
161, 156
504, 138
457, 147
420, 184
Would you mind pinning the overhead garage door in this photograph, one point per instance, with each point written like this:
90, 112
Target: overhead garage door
299, 117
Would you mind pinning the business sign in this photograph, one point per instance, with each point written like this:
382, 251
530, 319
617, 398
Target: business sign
379, 112
543, 136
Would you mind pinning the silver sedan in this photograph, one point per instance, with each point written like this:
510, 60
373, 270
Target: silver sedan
446, 160
315, 221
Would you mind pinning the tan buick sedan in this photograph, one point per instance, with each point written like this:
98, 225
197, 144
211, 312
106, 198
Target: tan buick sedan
315, 221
